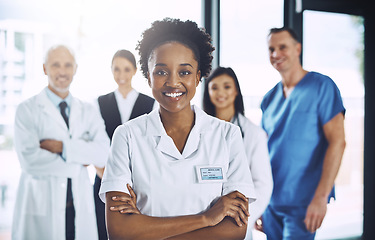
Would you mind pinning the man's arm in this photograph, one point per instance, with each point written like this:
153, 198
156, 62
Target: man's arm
51, 145
335, 135
34, 158
55, 146
93, 146
209, 225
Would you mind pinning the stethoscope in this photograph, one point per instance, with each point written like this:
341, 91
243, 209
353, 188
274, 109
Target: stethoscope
236, 121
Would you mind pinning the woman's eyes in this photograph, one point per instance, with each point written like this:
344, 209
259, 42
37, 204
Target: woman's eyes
216, 88
125, 70
164, 73
183, 73
161, 73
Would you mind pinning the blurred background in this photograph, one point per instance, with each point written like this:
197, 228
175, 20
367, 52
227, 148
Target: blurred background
332, 45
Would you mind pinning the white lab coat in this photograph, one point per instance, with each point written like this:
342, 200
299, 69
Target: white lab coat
255, 141
170, 183
41, 198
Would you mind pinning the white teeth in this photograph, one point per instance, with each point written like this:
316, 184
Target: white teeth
173, 94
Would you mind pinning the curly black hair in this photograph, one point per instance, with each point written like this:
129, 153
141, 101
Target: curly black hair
185, 32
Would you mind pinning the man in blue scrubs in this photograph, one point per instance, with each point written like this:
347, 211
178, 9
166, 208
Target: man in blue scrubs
303, 116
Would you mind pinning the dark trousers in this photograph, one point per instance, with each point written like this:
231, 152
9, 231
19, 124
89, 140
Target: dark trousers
69, 213
99, 210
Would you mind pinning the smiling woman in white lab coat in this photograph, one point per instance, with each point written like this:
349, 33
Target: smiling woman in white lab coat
222, 98
188, 170
49, 153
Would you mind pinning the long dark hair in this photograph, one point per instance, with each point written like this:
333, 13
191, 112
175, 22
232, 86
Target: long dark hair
208, 106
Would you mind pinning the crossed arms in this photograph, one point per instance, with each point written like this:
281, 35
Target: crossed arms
226, 219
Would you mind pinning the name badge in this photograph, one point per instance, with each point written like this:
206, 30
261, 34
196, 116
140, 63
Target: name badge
210, 174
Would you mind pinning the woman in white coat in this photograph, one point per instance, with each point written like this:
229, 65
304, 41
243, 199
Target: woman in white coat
187, 169
50, 152
222, 98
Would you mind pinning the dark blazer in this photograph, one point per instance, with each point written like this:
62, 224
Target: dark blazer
112, 119
111, 114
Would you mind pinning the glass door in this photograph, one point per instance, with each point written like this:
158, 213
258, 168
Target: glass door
333, 45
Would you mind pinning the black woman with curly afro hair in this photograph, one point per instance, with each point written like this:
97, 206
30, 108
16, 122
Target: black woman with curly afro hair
176, 173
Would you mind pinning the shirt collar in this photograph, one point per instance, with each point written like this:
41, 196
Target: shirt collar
155, 126
131, 95
56, 100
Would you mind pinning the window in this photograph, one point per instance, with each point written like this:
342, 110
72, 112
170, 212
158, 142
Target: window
244, 30
333, 45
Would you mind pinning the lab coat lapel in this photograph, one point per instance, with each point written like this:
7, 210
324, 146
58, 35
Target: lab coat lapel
167, 146
49, 109
192, 142
201, 125
164, 143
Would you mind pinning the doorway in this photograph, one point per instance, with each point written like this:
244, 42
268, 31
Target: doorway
333, 45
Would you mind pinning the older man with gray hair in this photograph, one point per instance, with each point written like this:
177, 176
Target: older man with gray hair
56, 137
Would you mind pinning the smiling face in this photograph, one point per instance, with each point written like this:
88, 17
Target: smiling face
60, 67
173, 76
123, 71
284, 51
222, 91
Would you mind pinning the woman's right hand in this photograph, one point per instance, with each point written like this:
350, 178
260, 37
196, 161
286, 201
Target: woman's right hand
234, 205
130, 203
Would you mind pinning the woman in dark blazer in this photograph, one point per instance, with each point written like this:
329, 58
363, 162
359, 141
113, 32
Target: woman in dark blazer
117, 107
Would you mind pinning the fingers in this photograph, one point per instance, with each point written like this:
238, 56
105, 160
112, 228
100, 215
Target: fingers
313, 222
132, 193
126, 198
122, 198
237, 209
129, 205
125, 208
237, 194
239, 216
244, 206
241, 201
234, 205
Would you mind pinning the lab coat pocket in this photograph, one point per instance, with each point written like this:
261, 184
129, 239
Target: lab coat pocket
37, 197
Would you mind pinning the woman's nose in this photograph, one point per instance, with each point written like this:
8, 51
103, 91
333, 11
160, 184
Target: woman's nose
173, 80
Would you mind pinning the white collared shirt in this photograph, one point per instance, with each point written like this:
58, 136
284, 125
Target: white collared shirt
125, 105
166, 181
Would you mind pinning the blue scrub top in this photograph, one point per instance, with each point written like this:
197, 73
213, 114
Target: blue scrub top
297, 144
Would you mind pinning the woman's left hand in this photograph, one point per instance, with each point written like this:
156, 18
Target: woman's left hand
130, 203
